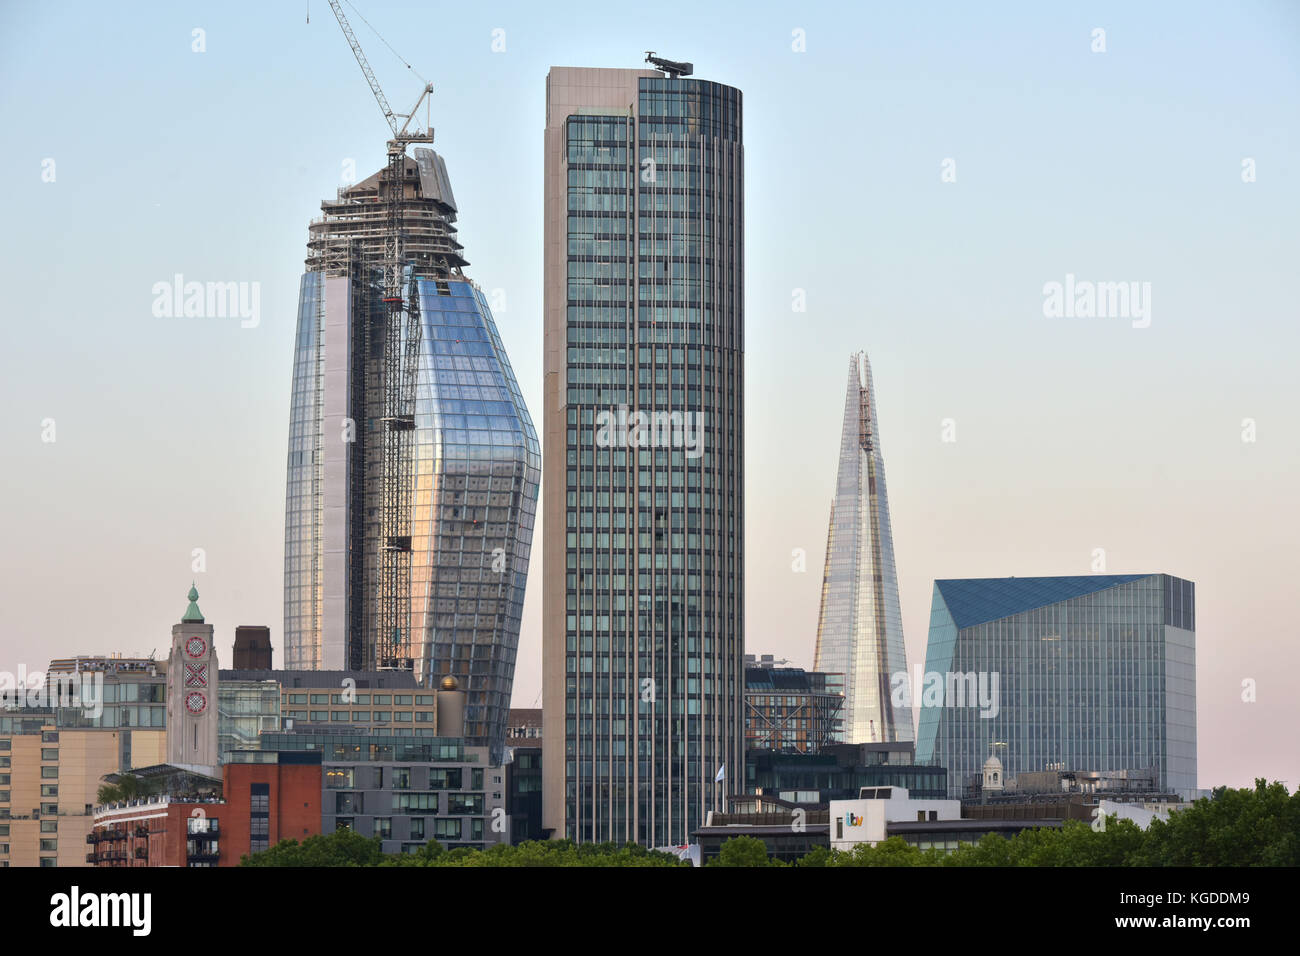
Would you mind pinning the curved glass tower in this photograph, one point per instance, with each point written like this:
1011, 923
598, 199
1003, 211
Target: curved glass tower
418, 564
860, 627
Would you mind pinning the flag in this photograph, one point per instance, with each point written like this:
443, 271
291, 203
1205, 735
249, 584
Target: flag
722, 774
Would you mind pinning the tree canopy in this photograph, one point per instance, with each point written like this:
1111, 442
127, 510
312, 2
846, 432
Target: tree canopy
1259, 827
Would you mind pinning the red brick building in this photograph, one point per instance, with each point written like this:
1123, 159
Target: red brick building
265, 797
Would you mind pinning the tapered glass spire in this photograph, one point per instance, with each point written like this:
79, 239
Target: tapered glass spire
860, 627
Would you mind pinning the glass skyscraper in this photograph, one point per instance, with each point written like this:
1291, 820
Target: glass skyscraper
468, 479
643, 429
1095, 672
860, 626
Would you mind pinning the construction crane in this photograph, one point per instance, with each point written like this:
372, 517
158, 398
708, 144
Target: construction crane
391, 637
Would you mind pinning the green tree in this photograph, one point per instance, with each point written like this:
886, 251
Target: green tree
128, 787
340, 848
743, 851
1259, 827
818, 856
894, 851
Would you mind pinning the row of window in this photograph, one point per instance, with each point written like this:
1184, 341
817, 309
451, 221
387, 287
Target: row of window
362, 716
398, 700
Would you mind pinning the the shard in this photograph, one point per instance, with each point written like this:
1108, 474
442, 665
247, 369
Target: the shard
413, 464
860, 627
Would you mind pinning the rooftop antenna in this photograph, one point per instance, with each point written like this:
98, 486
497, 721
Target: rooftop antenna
671, 68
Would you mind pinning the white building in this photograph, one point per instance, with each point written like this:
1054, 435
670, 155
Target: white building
864, 820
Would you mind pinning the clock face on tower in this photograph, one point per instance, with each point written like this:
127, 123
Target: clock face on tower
196, 647
195, 702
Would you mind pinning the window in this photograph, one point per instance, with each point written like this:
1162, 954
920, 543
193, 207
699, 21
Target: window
443, 778
49, 790
348, 803
52, 809
402, 716
49, 861
49, 773
417, 828
363, 699
383, 699
49, 846
297, 698
423, 802
402, 700
339, 715
423, 700
384, 828
50, 737
319, 716
259, 816
401, 778
49, 753
464, 803
383, 716
424, 717
320, 699
361, 715
338, 778
259, 798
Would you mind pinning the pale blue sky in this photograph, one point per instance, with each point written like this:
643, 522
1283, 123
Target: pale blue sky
1072, 434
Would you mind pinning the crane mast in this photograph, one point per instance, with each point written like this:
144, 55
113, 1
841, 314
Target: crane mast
398, 322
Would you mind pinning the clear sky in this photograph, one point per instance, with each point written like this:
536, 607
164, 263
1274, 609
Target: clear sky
1072, 434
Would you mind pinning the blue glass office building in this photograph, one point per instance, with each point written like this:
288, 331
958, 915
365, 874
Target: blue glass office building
470, 465
1093, 673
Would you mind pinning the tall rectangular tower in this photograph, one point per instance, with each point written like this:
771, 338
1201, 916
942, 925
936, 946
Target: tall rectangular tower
860, 625
643, 603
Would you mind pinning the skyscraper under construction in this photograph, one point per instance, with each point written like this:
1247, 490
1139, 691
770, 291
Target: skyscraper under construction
413, 464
